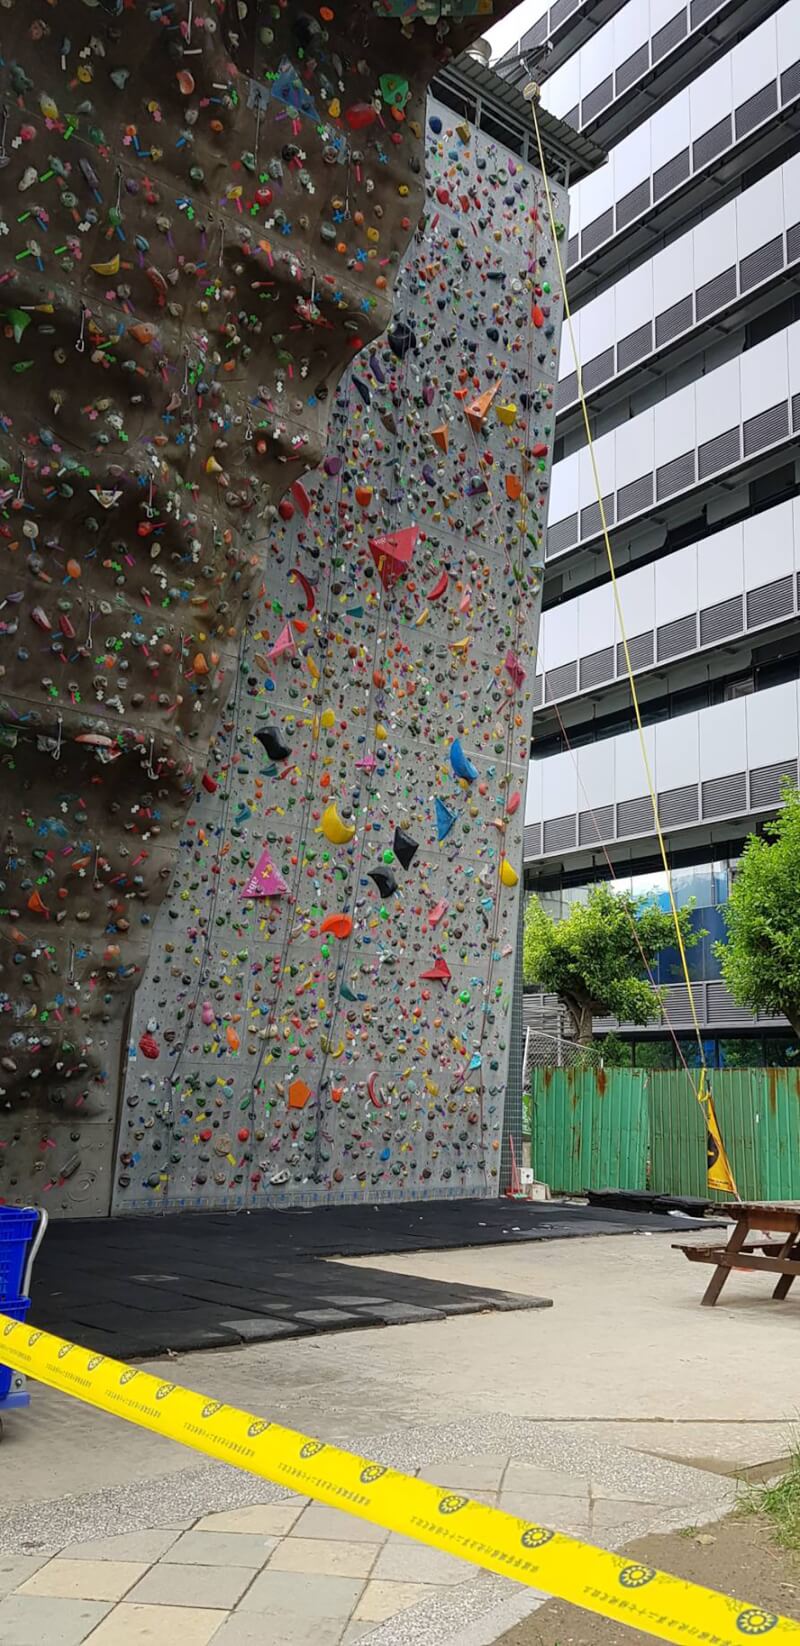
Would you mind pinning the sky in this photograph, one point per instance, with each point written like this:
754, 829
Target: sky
513, 27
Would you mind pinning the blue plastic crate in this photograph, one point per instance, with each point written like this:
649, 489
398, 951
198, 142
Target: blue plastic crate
17, 1227
16, 1310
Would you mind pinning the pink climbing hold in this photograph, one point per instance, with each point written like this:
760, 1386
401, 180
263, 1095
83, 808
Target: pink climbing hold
265, 881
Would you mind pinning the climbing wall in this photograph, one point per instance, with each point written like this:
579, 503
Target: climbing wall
331, 984
326, 1012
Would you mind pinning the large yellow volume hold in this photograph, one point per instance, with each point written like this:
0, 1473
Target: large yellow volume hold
334, 827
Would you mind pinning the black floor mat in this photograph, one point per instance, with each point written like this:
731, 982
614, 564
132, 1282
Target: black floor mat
139, 1286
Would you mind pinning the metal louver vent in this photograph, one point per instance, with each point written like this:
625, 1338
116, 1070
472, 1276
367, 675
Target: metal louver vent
633, 67
638, 494
712, 143
717, 622
796, 412
635, 346
559, 833
766, 782
761, 263
722, 795
632, 204
537, 690
703, 9
716, 293
532, 840
769, 602
790, 83
535, 35
677, 318
678, 1006
766, 428
597, 668
591, 522
677, 806
561, 682
722, 1007
718, 453
595, 825
635, 816
668, 36
676, 637
573, 117
595, 233
675, 475
599, 369
573, 249
597, 99
640, 651
793, 243
560, 10
754, 109
562, 534
567, 390
671, 174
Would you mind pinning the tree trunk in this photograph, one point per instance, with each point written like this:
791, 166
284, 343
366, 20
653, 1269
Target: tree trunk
582, 1018
793, 1018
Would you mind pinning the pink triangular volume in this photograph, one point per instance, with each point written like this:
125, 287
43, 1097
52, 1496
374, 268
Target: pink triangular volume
284, 643
265, 880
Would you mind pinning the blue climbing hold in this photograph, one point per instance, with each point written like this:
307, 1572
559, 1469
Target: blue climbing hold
460, 764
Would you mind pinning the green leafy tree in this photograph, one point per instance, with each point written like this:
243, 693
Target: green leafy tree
594, 959
761, 955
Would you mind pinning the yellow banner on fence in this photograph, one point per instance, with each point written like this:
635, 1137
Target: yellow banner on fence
611, 1585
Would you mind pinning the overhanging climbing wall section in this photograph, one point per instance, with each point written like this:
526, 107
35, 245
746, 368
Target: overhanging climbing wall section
327, 1008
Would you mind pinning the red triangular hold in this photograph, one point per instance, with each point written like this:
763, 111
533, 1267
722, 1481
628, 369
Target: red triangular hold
439, 972
392, 554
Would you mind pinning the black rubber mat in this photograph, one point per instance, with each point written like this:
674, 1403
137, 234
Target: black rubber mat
140, 1286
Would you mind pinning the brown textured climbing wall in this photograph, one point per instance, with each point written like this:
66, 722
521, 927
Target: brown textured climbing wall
203, 209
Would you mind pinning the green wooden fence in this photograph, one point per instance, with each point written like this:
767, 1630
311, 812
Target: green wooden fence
637, 1129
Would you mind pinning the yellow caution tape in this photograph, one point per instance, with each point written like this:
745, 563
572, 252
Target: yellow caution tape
611, 1585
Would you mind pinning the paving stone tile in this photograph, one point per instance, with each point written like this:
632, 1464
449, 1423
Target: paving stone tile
531, 1478
469, 1474
203, 1586
318, 1521
261, 1629
144, 1546
318, 1599
14, 1569
332, 1557
402, 1561
153, 1625
85, 1579
383, 1599
562, 1514
265, 1519
222, 1549
39, 1620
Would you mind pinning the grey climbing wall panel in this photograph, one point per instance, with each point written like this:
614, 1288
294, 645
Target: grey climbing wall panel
327, 1008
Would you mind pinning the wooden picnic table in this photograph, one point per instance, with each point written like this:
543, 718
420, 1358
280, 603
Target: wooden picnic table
778, 1257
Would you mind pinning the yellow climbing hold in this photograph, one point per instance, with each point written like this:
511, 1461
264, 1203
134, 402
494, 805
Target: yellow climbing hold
327, 719
334, 827
508, 875
508, 414
111, 267
381, 733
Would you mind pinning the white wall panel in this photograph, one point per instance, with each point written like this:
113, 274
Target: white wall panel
722, 739
533, 794
559, 644
559, 785
634, 449
634, 300
670, 129
630, 28
630, 161
630, 777
758, 64
791, 185
597, 328
676, 584
715, 246
710, 97
720, 566
597, 59
638, 602
564, 87
604, 457
787, 24
564, 487
673, 271
675, 425
677, 752
769, 545
771, 721
593, 763
596, 193
717, 401
793, 351
759, 212
764, 375
596, 619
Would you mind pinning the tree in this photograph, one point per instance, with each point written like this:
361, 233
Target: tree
594, 960
761, 955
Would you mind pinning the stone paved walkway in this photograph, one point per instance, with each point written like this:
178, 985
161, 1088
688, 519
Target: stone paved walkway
261, 1566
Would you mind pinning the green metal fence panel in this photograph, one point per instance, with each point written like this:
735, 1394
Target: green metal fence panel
590, 1128
758, 1111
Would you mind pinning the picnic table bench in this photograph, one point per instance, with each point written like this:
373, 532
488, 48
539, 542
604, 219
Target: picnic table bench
778, 1257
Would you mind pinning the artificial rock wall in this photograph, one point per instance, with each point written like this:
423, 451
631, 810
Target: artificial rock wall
326, 1008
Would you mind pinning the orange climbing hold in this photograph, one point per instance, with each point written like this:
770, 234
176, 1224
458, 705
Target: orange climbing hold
299, 1094
339, 925
478, 411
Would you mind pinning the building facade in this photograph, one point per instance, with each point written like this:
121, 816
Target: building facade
684, 254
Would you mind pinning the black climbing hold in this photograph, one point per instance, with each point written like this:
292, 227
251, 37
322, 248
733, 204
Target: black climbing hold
405, 849
272, 743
